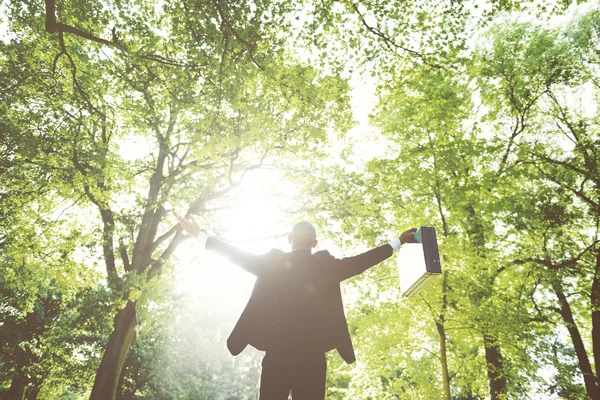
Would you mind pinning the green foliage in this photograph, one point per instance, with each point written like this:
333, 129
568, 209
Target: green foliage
116, 116
502, 161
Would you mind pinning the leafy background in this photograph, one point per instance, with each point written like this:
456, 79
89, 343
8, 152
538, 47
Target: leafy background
478, 118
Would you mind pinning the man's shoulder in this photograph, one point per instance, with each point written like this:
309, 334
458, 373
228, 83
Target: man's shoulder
280, 254
275, 253
323, 254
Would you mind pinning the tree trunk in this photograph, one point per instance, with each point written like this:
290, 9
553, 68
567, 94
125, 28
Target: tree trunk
122, 336
442, 333
595, 302
32, 394
444, 360
493, 358
16, 391
119, 394
493, 355
584, 363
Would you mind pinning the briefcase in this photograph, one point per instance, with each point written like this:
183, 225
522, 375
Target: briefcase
419, 263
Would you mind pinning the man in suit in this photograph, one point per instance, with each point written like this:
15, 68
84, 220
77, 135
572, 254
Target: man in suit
295, 312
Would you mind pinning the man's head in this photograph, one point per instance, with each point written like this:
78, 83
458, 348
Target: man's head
304, 236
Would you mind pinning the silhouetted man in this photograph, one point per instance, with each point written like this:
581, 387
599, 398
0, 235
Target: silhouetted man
295, 312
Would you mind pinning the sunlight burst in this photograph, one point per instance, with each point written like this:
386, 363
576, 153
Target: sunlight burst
256, 222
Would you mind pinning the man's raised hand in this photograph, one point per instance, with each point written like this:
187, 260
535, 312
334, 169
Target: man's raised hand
191, 227
408, 236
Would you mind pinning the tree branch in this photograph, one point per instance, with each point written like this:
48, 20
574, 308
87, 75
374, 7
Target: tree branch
392, 45
124, 255
157, 265
153, 211
106, 214
251, 46
53, 26
556, 266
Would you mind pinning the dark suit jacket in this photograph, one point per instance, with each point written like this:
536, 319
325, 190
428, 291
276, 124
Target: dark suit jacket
296, 304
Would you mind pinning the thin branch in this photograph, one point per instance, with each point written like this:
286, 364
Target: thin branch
69, 206
106, 214
124, 255
433, 313
595, 205
392, 45
431, 352
164, 237
53, 26
205, 197
157, 265
563, 117
76, 85
439, 204
152, 211
563, 164
556, 266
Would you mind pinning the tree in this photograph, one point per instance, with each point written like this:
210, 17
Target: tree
211, 90
465, 159
563, 166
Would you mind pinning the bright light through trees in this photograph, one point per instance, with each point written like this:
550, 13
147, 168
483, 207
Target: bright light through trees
256, 221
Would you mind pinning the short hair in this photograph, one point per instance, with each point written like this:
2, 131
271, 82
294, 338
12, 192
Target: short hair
304, 234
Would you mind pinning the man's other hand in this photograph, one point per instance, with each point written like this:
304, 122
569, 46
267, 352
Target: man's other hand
191, 227
408, 236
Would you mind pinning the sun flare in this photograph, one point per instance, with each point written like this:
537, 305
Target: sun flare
256, 222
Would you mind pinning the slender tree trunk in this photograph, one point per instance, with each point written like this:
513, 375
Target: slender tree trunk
442, 333
122, 336
440, 323
494, 361
595, 302
493, 355
566, 313
444, 360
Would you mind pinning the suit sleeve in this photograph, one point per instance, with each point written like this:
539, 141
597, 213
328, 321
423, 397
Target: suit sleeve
250, 262
348, 267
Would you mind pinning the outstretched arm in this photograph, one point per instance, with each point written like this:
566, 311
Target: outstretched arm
246, 260
348, 267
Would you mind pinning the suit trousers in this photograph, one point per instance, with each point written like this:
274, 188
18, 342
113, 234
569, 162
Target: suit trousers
302, 374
